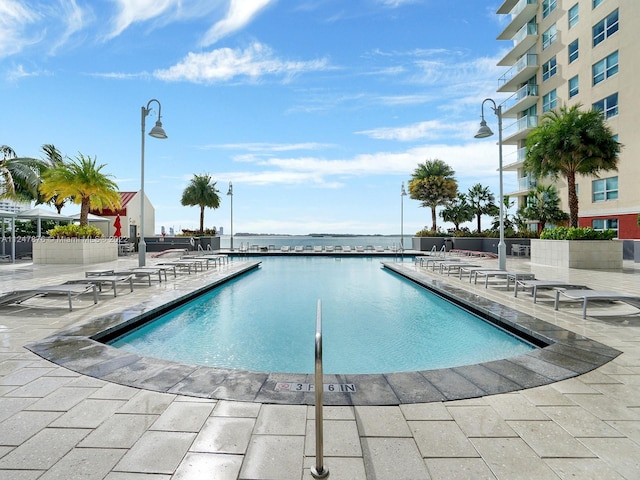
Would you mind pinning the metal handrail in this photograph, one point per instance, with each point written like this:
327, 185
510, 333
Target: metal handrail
319, 470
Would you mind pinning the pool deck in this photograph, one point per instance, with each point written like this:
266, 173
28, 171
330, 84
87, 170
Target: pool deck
58, 423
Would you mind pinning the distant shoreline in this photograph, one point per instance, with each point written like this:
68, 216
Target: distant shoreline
243, 234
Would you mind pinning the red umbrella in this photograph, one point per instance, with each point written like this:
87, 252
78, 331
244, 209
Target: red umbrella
117, 225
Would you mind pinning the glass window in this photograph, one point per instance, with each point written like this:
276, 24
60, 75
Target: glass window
549, 68
548, 6
549, 101
573, 86
549, 36
605, 68
573, 15
608, 105
605, 28
605, 189
597, 2
573, 51
605, 224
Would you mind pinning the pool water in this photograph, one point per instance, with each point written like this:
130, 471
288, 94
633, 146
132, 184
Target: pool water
374, 321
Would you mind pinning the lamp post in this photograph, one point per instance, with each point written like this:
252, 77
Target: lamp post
230, 193
483, 132
156, 132
403, 194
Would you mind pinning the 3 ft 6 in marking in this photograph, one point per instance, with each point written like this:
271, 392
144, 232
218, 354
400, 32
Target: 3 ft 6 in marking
310, 387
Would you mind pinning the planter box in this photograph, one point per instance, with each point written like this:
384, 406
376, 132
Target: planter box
585, 254
425, 244
74, 250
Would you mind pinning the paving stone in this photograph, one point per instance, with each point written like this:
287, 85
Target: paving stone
381, 421
88, 414
621, 454
441, 439
582, 468
513, 459
196, 466
62, 399
156, 452
458, 469
228, 408
579, 422
23, 425
481, 421
391, 458
340, 438
121, 430
228, 435
549, 440
85, 463
426, 411
282, 420
273, 456
183, 417
44, 449
147, 402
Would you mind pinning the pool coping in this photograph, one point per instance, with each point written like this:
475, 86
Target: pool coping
566, 355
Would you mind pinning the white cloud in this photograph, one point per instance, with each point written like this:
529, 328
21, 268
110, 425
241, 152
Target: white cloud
225, 64
132, 11
239, 14
431, 129
17, 27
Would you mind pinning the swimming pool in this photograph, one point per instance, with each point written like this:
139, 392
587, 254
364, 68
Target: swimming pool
374, 321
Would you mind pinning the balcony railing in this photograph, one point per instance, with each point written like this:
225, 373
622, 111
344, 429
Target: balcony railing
526, 183
528, 60
521, 125
526, 91
521, 5
524, 32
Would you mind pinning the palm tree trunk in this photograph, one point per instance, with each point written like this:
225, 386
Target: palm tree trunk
573, 199
202, 219
84, 211
479, 223
434, 219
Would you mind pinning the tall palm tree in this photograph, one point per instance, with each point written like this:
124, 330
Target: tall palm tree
82, 181
482, 202
19, 176
571, 141
203, 193
432, 183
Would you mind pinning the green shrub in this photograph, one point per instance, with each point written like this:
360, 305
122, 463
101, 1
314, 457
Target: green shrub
577, 233
425, 232
75, 231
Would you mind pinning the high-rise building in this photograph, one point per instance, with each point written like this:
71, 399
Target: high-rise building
567, 52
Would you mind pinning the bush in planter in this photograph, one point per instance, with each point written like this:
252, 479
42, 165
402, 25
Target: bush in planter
425, 232
73, 230
577, 233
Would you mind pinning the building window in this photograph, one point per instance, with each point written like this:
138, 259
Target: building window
597, 2
573, 86
573, 51
605, 68
608, 105
573, 15
605, 28
550, 35
605, 224
548, 6
549, 101
605, 189
549, 68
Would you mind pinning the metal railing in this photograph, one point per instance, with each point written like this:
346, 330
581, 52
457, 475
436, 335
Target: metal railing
319, 470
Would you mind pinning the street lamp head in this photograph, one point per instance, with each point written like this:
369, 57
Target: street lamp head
230, 191
484, 131
403, 192
157, 131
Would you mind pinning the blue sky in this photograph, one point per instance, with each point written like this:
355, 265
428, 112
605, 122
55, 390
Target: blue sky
316, 110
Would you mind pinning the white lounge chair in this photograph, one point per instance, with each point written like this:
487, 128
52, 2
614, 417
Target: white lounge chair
328, 248
346, 249
317, 249
585, 295
70, 290
536, 285
285, 248
298, 249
